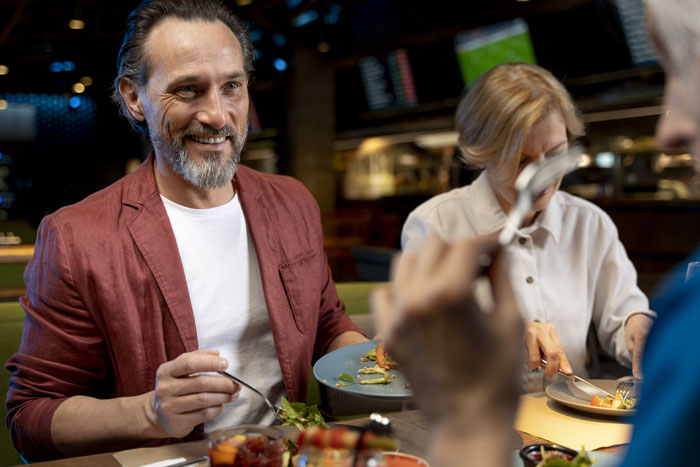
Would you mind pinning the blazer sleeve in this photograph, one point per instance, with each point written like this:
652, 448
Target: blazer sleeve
62, 352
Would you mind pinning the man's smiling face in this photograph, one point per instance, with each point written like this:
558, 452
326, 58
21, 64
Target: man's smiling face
196, 99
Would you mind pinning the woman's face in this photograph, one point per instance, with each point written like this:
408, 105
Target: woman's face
547, 138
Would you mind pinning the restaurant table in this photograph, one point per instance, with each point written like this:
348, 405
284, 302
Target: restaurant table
409, 427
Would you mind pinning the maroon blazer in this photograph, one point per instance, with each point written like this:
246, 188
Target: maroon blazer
107, 301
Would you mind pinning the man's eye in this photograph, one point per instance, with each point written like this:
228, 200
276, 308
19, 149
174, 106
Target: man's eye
231, 86
185, 89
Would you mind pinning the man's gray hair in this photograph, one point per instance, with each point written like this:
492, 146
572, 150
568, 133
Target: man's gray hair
133, 60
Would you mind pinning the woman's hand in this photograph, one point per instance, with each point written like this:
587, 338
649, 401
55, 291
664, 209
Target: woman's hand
636, 330
542, 341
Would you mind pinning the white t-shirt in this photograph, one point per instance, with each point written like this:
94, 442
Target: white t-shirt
567, 268
223, 279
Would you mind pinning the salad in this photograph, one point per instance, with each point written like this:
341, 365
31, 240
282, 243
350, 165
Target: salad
559, 459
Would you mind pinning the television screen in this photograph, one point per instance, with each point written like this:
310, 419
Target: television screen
479, 50
388, 80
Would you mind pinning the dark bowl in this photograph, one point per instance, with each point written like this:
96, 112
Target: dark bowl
530, 454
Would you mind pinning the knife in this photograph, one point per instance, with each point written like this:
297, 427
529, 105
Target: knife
587, 386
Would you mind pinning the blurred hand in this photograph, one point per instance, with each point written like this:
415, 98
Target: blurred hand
184, 398
636, 331
542, 341
461, 360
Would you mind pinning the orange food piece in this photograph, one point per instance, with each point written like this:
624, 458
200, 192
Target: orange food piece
598, 402
382, 357
223, 454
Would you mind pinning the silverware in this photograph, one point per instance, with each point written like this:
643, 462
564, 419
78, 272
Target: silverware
190, 462
277, 411
624, 388
534, 179
586, 386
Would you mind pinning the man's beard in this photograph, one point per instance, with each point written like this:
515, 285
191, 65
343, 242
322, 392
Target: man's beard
215, 170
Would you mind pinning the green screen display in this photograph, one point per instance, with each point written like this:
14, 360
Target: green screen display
481, 49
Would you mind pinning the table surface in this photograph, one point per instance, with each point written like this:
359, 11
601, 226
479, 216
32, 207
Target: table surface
409, 427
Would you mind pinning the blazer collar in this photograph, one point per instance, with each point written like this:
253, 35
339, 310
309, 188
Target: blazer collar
151, 230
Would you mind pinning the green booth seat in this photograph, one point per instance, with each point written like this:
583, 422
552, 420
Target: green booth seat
11, 322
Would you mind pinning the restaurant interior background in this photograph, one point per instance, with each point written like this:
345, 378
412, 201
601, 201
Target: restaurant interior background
355, 99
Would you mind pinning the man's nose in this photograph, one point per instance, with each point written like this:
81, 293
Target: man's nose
212, 111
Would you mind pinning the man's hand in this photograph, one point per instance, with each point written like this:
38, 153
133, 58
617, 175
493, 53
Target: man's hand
184, 398
636, 331
463, 361
448, 346
542, 341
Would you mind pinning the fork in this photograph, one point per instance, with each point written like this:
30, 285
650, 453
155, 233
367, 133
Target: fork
277, 411
625, 387
535, 178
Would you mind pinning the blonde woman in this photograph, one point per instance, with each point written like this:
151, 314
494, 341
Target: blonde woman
567, 266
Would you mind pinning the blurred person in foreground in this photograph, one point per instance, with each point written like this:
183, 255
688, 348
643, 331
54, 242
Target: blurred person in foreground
189, 265
566, 264
420, 318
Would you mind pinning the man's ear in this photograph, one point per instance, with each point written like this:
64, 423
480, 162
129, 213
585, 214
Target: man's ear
130, 94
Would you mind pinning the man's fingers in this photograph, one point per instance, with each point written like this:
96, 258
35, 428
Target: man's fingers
195, 362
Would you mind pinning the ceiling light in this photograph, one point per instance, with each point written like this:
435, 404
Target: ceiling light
78, 88
76, 24
4, 70
86, 80
243, 2
3, 106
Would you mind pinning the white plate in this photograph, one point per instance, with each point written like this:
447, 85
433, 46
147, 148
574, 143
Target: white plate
569, 395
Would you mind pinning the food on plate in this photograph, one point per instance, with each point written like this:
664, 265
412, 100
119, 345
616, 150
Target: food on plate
384, 364
383, 358
344, 379
301, 415
375, 370
379, 355
246, 450
616, 402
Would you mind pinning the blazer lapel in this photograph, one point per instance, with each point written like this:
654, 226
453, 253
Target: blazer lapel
152, 233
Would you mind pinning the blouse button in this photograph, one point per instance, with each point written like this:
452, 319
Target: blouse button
529, 280
522, 240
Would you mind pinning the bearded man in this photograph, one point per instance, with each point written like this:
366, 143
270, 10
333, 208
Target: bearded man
190, 265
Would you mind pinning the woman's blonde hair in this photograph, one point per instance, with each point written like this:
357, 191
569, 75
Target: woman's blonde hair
495, 117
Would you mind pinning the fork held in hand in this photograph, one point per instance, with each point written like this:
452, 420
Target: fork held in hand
277, 411
624, 388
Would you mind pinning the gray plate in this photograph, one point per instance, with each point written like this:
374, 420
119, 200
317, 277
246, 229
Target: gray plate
347, 360
569, 395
